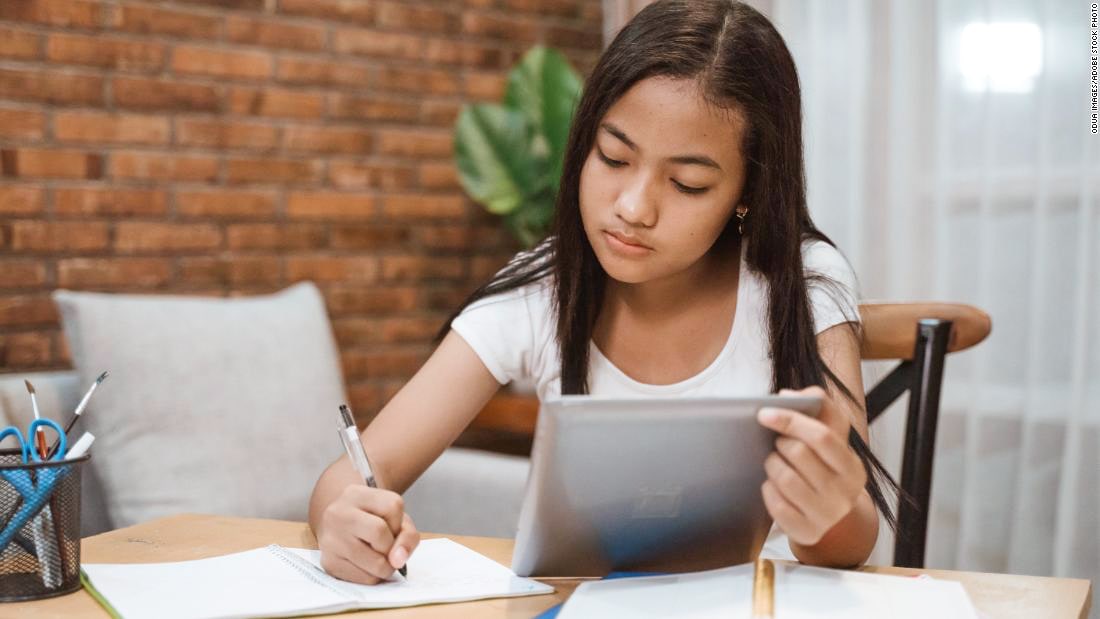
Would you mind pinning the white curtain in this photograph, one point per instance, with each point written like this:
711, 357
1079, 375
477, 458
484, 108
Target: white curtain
949, 155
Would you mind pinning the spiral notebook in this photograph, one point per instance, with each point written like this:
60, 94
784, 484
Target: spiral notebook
275, 581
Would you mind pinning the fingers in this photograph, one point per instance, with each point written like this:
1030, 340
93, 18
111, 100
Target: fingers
407, 541
789, 483
819, 437
803, 459
385, 504
789, 519
346, 570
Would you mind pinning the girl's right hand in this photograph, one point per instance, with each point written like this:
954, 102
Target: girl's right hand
365, 535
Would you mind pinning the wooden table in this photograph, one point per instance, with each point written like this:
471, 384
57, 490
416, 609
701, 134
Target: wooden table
196, 536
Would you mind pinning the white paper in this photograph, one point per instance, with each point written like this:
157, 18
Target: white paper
800, 592
260, 583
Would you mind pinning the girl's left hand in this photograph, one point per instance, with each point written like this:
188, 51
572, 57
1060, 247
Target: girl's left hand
814, 477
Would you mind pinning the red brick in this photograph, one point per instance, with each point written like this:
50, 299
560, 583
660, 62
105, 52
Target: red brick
22, 274
322, 72
344, 300
52, 236
355, 269
352, 331
343, 11
160, 94
143, 237
400, 363
109, 201
442, 113
417, 268
222, 135
357, 174
510, 29
96, 51
272, 171
51, 87
331, 205
229, 204
484, 267
443, 299
240, 5
20, 44
440, 51
251, 31
378, 44
141, 19
18, 311
26, 350
439, 176
46, 163
83, 273
156, 166
347, 140
559, 8
371, 237
406, 79
409, 329
413, 143
276, 236
485, 86
575, 38
62, 13
255, 271
248, 271
423, 206
98, 127
20, 200
454, 237
213, 62
402, 16
347, 106
18, 124
276, 102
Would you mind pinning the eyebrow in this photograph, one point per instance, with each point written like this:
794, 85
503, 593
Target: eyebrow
696, 159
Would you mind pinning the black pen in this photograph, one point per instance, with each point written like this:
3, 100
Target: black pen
349, 436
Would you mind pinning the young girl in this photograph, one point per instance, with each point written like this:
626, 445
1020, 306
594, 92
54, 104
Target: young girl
683, 262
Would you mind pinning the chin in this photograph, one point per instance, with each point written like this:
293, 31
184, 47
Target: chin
624, 271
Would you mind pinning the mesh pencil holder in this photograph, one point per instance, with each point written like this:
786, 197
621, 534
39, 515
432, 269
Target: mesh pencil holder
39, 527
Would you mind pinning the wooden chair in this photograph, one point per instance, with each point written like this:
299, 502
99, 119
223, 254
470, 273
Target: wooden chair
919, 335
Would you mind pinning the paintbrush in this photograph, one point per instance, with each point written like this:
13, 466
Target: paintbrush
79, 409
39, 435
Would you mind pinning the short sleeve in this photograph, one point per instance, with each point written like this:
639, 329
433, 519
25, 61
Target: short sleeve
832, 285
502, 330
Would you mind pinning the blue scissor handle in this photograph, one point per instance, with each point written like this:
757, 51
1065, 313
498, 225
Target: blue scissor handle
53, 425
23, 447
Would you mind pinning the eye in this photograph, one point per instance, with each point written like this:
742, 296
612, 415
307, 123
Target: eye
610, 162
688, 190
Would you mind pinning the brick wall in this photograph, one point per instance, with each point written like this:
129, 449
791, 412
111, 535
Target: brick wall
236, 146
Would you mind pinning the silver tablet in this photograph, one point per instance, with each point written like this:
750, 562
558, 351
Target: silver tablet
655, 484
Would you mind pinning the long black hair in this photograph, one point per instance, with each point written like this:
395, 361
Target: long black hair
739, 62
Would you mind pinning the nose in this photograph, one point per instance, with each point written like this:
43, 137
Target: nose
636, 204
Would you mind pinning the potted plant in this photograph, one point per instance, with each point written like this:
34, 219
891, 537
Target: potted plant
509, 155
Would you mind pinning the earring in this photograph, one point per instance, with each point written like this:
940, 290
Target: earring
741, 211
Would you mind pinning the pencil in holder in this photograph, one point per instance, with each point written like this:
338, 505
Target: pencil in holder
39, 527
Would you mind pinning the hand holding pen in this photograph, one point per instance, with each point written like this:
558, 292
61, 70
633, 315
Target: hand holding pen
349, 436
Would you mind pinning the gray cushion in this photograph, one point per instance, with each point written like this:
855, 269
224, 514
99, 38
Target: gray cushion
224, 406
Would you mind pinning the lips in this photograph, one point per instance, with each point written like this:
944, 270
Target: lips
627, 240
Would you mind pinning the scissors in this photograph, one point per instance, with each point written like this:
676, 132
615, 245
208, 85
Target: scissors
35, 495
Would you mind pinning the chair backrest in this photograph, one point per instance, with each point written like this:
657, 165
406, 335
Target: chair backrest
919, 335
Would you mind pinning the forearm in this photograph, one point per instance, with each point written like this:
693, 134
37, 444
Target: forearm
848, 543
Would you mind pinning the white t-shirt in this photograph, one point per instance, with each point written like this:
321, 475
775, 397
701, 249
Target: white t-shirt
513, 335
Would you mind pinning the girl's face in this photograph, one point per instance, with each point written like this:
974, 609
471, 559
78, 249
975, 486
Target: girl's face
662, 180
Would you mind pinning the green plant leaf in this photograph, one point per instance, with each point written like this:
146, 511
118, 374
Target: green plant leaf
546, 89
497, 156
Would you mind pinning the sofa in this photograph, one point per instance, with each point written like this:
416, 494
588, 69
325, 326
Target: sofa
162, 388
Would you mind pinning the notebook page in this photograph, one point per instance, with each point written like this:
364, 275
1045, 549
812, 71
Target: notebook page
245, 584
801, 592
440, 570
